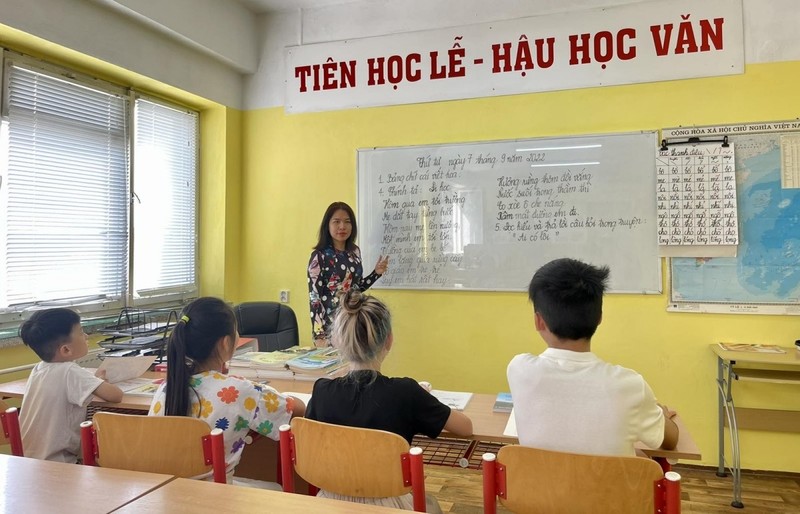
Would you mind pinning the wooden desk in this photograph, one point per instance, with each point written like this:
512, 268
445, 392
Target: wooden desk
487, 425
31, 485
776, 368
16, 389
183, 495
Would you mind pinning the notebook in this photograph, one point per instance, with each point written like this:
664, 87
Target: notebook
503, 403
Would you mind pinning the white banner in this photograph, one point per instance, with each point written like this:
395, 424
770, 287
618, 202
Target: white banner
644, 42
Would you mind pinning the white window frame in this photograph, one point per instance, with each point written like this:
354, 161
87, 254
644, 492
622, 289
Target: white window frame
105, 307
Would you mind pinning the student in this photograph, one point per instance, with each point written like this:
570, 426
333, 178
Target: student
58, 390
197, 385
362, 332
567, 399
335, 266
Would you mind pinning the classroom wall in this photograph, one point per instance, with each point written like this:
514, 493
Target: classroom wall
201, 54
770, 29
266, 177
295, 165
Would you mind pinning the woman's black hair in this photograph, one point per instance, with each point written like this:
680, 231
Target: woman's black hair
325, 240
193, 341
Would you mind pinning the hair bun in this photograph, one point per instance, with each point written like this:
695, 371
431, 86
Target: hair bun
352, 300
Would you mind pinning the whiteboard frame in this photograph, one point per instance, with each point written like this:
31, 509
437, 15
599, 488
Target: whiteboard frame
360, 216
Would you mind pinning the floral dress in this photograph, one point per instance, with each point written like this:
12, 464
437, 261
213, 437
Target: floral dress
330, 272
235, 405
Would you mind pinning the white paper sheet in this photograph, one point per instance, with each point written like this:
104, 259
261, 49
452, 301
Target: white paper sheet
453, 399
511, 426
124, 368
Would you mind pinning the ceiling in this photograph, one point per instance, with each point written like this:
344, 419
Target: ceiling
265, 6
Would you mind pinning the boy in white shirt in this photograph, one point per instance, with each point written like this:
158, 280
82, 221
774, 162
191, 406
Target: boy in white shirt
58, 390
567, 399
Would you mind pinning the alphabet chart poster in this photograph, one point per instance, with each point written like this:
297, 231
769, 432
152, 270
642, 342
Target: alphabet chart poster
696, 195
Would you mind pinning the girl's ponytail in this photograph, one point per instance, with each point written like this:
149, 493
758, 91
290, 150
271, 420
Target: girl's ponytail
193, 342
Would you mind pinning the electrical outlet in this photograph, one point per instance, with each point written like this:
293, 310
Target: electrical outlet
284, 296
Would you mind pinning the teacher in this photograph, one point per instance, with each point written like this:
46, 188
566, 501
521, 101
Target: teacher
335, 267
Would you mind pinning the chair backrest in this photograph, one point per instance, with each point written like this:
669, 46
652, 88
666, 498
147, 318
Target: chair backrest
542, 481
352, 461
172, 445
273, 324
10, 433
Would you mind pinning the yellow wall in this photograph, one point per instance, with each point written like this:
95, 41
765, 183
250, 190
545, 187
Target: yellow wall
295, 165
219, 208
266, 178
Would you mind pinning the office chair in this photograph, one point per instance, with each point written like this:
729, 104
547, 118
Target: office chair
171, 445
273, 324
533, 480
351, 461
9, 417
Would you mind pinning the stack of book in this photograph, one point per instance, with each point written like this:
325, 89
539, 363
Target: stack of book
265, 365
298, 363
322, 362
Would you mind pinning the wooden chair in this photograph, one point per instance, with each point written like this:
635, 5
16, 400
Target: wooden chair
172, 445
351, 461
541, 481
9, 417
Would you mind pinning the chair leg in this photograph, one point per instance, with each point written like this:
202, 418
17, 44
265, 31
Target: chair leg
218, 456
88, 444
287, 469
417, 479
489, 469
10, 421
672, 486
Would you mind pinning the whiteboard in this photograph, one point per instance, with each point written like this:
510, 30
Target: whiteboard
486, 216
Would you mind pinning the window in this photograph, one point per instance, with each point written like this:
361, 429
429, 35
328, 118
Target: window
165, 227
78, 223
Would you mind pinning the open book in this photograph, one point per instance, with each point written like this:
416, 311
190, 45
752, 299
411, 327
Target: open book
140, 386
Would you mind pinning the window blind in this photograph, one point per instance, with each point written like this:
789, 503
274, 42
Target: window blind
66, 191
164, 206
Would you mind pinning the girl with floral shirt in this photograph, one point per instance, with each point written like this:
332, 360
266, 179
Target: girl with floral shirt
201, 343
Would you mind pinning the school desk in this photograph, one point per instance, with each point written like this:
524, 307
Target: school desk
775, 368
259, 459
16, 389
32, 485
195, 496
487, 425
